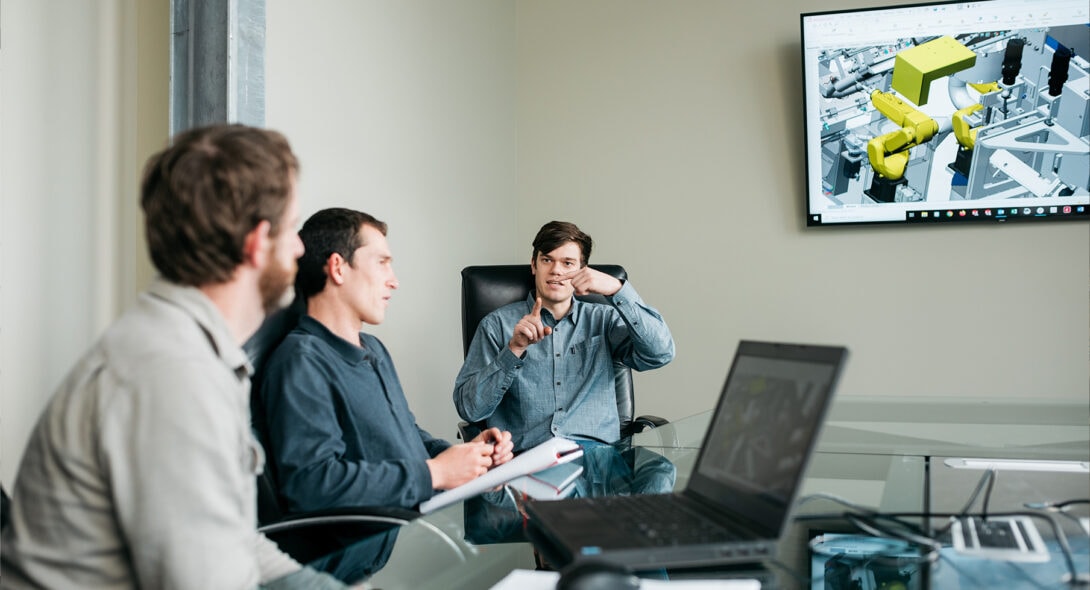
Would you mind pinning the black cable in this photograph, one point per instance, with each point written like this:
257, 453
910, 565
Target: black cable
1061, 537
988, 493
988, 478
1059, 507
871, 526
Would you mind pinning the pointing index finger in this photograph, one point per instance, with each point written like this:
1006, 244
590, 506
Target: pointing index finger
537, 308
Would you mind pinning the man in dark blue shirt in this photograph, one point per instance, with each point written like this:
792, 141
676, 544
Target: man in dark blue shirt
340, 431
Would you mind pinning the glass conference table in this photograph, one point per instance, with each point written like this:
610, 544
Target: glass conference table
873, 455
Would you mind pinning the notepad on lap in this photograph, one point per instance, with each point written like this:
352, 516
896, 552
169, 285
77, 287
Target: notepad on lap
550, 453
549, 484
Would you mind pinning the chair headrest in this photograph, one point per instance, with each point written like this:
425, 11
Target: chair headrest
486, 288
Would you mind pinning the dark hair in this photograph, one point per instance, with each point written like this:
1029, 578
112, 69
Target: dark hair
555, 234
329, 231
205, 192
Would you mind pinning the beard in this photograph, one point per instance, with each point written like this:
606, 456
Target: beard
274, 283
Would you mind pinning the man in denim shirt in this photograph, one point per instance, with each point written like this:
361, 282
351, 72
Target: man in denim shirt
544, 367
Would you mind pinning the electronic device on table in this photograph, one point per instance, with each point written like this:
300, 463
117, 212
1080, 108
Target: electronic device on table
737, 504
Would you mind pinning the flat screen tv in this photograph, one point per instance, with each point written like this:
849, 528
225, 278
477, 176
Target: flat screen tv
951, 112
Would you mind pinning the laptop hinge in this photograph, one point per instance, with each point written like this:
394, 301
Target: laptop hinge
729, 521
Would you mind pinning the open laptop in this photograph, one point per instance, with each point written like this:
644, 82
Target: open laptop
738, 501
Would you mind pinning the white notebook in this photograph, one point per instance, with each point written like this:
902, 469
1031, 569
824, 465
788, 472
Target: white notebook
552, 452
549, 484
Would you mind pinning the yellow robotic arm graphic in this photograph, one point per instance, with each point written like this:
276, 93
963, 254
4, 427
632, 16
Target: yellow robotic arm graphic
888, 154
964, 130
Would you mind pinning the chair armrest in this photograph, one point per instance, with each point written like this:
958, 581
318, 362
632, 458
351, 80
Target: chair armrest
379, 518
467, 431
310, 535
641, 423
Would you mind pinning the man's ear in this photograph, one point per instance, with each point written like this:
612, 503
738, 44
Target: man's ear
533, 265
334, 268
255, 249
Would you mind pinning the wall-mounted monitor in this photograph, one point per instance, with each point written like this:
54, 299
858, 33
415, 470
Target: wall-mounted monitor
952, 112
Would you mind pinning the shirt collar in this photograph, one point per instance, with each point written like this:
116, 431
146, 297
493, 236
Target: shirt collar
198, 306
574, 313
352, 353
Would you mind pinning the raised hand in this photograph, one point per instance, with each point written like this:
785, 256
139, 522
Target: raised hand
586, 280
460, 464
529, 330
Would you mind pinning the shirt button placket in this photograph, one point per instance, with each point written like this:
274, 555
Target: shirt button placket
557, 362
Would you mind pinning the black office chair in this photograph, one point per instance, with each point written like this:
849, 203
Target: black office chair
5, 509
486, 288
310, 535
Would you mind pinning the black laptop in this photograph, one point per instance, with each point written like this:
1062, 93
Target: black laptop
738, 501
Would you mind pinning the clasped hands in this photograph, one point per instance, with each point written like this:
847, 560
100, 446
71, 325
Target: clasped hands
462, 463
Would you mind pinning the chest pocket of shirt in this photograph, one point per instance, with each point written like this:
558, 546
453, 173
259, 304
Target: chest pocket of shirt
581, 361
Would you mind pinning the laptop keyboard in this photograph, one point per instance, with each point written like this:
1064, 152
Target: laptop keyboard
661, 520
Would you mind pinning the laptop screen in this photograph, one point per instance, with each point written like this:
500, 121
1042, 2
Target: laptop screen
764, 429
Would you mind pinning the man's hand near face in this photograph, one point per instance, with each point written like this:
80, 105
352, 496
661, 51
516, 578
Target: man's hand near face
586, 281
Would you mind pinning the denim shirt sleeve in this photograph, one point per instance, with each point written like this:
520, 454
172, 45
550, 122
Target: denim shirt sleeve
488, 372
642, 341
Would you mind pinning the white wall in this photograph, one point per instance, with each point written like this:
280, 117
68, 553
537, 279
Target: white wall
70, 148
51, 285
406, 110
670, 131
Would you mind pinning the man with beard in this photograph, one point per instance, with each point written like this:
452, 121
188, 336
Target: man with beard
140, 472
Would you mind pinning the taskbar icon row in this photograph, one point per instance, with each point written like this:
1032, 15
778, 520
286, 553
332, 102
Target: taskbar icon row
998, 213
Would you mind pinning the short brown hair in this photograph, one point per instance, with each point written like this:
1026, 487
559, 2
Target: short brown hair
334, 230
206, 191
555, 234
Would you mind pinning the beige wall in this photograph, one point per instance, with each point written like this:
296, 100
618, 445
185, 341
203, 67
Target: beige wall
82, 103
671, 131
406, 110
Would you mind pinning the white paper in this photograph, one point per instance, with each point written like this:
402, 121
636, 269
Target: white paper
554, 451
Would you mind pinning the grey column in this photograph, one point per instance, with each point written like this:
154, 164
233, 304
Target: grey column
217, 63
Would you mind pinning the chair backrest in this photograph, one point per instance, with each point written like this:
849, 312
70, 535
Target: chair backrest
5, 509
486, 288
259, 347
